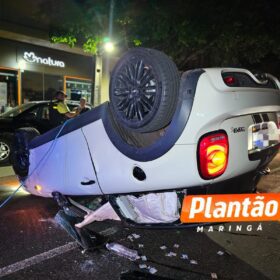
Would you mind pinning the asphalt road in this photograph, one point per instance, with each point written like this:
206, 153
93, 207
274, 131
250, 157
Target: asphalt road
33, 246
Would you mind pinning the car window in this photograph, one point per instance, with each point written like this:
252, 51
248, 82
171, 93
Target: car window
32, 113
17, 110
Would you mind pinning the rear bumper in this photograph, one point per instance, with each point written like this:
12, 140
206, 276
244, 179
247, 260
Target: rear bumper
265, 155
245, 183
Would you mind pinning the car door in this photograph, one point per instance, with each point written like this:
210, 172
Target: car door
37, 117
27, 118
80, 171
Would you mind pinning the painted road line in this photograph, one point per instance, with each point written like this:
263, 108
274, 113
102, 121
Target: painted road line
4, 271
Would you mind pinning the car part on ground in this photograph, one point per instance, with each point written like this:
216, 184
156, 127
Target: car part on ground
86, 238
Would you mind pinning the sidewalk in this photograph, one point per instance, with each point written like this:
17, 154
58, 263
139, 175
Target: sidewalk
6, 171
8, 177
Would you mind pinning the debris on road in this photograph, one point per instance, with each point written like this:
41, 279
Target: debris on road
130, 237
135, 235
144, 258
193, 262
171, 254
184, 256
123, 251
152, 270
142, 266
214, 275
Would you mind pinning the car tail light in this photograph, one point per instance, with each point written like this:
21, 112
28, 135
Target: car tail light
213, 155
229, 80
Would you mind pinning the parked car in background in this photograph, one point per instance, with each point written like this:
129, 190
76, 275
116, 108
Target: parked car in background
32, 114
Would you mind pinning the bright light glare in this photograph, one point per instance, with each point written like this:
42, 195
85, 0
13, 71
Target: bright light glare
23, 192
109, 47
22, 64
38, 188
20, 192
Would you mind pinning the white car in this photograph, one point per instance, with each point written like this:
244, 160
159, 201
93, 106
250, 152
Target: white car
160, 137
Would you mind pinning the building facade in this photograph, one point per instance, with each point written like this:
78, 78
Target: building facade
29, 72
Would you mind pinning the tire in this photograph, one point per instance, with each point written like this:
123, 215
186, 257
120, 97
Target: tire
20, 151
5, 150
144, 89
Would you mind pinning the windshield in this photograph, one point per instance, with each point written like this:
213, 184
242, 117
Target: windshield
17, 110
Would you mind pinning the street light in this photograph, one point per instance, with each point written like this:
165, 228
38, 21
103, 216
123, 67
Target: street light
108, 47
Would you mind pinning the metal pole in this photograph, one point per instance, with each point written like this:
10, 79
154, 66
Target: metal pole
111, 17
98, 80
98, 65
106, 70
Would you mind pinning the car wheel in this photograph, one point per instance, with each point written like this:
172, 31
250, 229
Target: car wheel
144, 90
5, 151
20, 153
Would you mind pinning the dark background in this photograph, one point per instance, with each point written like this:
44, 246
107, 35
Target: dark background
194, 33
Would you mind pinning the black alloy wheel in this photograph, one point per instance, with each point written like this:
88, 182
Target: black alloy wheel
143, 90
20, 151
137, 93
5, 151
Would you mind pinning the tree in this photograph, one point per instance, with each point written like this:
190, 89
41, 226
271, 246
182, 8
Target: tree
194, 33
209, 33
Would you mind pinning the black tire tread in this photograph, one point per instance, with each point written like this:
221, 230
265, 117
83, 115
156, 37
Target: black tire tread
8, 141
22, 138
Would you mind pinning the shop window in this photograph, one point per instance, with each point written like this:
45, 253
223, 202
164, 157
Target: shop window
32, 86
52, 84
40, 86
8, 89
77, 88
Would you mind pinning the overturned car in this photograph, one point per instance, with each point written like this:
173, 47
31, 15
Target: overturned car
161, 137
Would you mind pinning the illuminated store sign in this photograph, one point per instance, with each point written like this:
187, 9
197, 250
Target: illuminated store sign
32, 58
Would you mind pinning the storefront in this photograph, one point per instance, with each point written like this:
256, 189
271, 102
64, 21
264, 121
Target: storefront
29, 73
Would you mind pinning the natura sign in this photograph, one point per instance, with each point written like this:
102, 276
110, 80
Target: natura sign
32, 58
